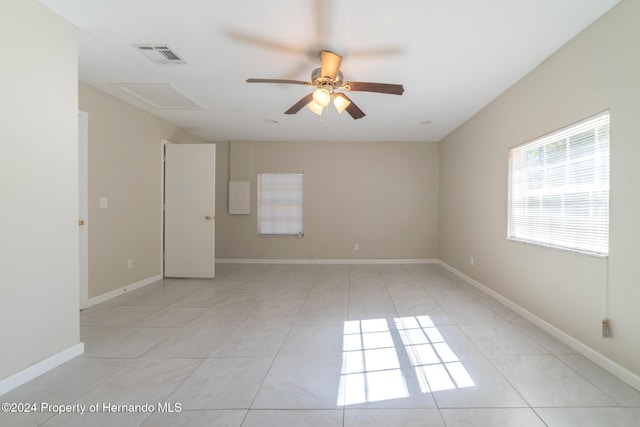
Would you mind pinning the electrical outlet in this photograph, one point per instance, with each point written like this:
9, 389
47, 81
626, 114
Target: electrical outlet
356, 247
130, 263
472, 262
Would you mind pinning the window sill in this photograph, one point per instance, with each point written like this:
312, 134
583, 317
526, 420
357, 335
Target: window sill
299, 236
559, 248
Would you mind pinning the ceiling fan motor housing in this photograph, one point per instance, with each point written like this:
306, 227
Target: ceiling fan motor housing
319, 80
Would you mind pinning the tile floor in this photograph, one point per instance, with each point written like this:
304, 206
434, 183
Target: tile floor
325, 346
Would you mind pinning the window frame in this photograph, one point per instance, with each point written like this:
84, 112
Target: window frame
558, 199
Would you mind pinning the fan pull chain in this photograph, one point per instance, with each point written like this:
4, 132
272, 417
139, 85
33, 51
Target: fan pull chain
326, 126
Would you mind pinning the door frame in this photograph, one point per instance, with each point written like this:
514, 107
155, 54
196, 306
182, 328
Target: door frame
83, 206
163, 142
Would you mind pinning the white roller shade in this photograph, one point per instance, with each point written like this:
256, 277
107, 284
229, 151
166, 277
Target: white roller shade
280, 198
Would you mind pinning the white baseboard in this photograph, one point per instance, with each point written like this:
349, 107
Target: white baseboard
325, 261
33, 371
122, 290
596, 357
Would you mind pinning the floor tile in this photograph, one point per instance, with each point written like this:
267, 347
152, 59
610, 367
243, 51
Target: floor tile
190, 342
466, 310
437, 315
207, 298
635, 411
62, 385
494, 417
239, 300
501, 339
301, 383
496, 306
612, 386
130, 342
23, 419
358, 311
455, 340
313, 341
322, 314
92, 334
419, 303
271, 316
114, 315
223, 316
543, 380
287, 297
587, 417
370, 296
222, 383
392, 417
328, 297
552, 344
297, 418
382, 379
167, 294
97, 420
472, 383
171, 317
68, 382
252, 342
216, 418
142, 381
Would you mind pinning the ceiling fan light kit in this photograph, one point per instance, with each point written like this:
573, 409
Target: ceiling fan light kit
322, 97
340, 102
327, 79
315, 108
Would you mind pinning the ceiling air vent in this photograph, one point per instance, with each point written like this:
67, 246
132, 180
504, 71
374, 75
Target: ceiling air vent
159, 53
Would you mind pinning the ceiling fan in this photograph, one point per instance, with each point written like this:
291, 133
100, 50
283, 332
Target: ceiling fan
328, 80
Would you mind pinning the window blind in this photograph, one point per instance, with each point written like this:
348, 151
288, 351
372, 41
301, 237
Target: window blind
280, 198
559, 188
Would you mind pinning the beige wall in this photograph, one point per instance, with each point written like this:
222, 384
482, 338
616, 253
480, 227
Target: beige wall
39, 186
124, 166
599, 69
382, 196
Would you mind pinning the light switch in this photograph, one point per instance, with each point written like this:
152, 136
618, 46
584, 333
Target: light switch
104, 203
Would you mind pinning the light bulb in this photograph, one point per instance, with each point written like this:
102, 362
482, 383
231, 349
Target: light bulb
313, 106
322, 97
340, 102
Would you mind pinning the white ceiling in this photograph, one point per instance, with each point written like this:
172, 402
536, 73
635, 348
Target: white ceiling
453, 57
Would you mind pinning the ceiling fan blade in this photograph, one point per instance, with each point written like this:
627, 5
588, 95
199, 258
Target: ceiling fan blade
353, 110
285, 81
262, 42
329, 64
300, 104
379, 51
322, 10
391, 89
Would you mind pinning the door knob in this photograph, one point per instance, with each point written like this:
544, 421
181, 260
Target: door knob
80, 222
208, 217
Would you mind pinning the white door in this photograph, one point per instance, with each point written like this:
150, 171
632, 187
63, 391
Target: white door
189, 216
